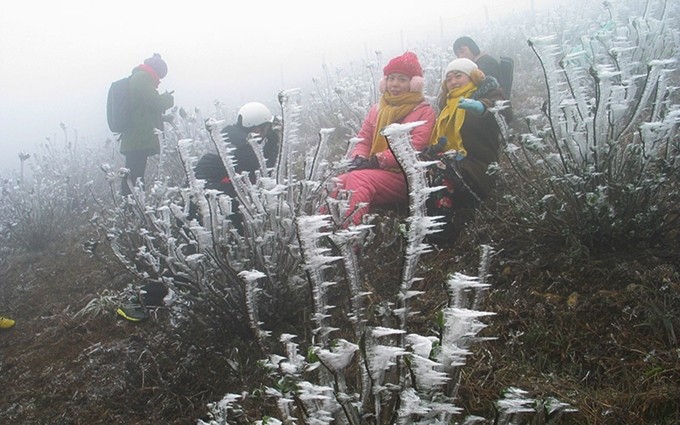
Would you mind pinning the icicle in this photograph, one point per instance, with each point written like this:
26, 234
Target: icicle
291, 113
250, 278
220, 411
316, 261
419, 225
313, 173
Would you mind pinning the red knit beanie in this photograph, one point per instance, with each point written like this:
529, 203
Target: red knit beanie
406, 64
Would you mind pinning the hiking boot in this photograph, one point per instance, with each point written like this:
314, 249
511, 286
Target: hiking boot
6, 323
153, 294
133, 313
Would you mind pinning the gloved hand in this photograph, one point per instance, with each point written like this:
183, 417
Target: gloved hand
373, 162
168, 94
471, 105
357, 163
433, 151
361, 163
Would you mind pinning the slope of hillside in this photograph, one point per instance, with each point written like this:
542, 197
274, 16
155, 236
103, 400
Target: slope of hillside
580, 317
61, 367
600, 336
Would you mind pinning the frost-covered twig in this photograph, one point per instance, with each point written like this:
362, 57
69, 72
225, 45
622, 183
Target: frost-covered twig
419, 223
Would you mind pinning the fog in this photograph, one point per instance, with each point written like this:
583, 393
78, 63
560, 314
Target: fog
57, 59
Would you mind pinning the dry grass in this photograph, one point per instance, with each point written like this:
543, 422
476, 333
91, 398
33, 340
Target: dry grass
600, 335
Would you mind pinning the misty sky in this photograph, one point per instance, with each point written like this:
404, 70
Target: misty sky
58, 58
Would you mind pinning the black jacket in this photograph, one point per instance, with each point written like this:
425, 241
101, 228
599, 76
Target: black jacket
489, 66
245, 157
211, 169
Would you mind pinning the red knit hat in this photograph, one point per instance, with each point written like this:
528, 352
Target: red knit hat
406, 64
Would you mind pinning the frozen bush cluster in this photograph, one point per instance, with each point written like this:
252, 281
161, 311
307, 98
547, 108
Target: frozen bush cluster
595, 167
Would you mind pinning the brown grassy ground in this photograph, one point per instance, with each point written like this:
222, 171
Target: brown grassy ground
600, 335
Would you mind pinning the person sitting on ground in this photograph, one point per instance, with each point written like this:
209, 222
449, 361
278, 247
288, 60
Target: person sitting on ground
254, 120
466, 139
6, 322
374, 177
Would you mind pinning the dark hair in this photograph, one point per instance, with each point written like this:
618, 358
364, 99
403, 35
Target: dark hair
466, 42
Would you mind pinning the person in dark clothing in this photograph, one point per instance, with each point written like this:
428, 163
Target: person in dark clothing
253, 117
465, 47
254, 120
140, 140
465, 141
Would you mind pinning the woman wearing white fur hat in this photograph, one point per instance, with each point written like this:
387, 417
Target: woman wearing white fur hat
466, 139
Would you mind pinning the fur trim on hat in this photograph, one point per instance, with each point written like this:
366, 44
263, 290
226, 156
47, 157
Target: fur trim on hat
477, 76
417, 84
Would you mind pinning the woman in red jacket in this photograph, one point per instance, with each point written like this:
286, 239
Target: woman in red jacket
375, 177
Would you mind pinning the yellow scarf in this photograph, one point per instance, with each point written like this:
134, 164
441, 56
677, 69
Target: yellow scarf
391, 110
451, 119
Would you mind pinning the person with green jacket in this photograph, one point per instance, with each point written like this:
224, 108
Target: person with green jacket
140, 140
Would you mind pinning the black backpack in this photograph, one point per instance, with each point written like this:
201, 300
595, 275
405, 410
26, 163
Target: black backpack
118, 110
507, 67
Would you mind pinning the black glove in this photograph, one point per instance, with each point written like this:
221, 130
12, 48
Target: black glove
432, 152
361, 163
357, 163
373, 162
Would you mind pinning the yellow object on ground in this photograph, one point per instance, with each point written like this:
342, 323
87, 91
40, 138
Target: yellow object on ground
6, 323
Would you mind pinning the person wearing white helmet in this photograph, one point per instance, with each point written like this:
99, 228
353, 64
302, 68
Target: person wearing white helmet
253, 117
254, 120
253, 114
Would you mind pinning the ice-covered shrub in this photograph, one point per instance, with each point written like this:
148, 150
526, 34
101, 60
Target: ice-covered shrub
289, 256
597, 169
357, 369
55, 190
221, 274
354, 365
